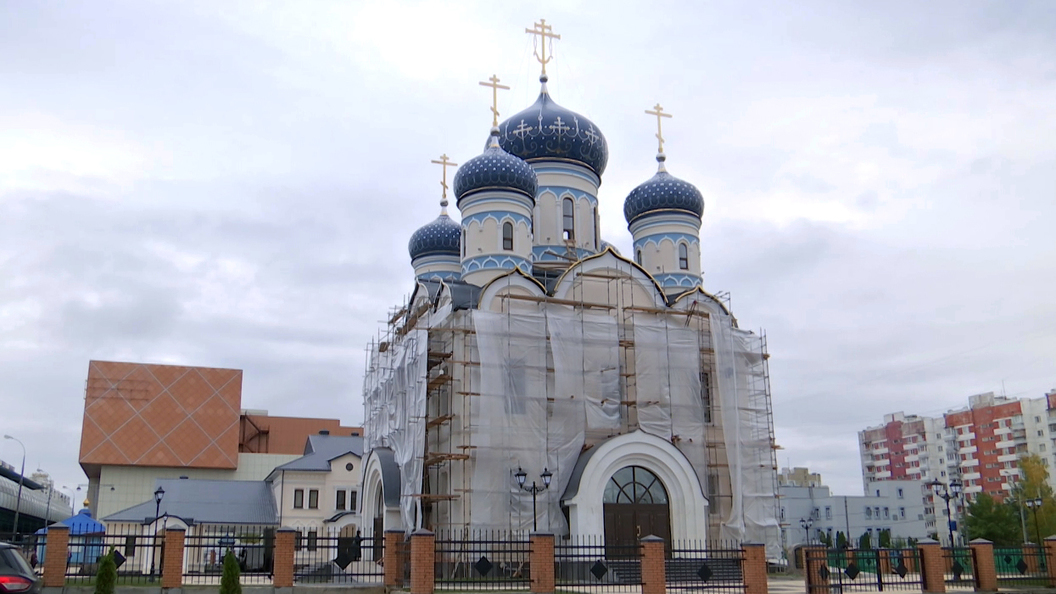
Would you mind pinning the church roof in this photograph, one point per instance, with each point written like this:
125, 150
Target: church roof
207, 502
663, 193
495, 169
440, 237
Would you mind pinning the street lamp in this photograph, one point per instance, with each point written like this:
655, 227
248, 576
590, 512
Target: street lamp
158, 494
947, 493
21, 475
806, 523
1034, 505
521, 477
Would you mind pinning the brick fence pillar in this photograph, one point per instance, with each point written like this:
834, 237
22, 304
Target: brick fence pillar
754, 569
654, 574
393, 560
56, 551
932, 565
541, 562
282, 573
1050, 559
172, 560
985, 570
815, 558
423, 562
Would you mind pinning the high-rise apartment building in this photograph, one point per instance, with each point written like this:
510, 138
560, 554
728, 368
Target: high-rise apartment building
979, 445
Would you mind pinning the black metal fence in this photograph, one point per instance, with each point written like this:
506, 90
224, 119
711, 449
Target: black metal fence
959, 567
589, 564
206, 546
698, 565
855, 570
1021, 566
137, 554
339, 560
482, 560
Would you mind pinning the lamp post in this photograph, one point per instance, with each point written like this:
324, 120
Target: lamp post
21, 475
806, 523
1034, 505
158, 494
521, 477
947, 492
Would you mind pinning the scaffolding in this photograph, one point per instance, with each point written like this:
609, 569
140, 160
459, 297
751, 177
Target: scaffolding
531, 380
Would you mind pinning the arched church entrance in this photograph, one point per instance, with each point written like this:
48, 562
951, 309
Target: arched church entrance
635, 505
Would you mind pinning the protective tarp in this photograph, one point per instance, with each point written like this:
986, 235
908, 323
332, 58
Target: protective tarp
743, 402
652, 377
587, 362
394, 389
508, 419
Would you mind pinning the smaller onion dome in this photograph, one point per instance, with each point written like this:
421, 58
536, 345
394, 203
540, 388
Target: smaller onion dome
440, 237
495, 169
663, 192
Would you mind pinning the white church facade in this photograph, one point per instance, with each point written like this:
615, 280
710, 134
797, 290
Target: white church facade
533, 353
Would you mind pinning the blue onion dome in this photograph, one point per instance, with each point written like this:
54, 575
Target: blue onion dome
663, 193
606, 245
547, 131
441, 237
495, 169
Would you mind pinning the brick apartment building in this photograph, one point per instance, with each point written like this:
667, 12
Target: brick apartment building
979, 445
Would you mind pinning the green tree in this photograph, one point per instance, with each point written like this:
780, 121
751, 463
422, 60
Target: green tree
996, 522
106, 574
229, 581
865, 541
885, 539
841, 540
1034, 486
825, 539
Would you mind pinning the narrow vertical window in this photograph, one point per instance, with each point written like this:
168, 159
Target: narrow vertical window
638, 257
298, 498
569, 218
463, 242
683, 257
313, 499
313, 540
597, 230
507, 236
340, 503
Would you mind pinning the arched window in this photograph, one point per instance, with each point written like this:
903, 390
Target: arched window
638, 257
634, 484
597, 230
569, 218
463, 242
507, 236
683, 257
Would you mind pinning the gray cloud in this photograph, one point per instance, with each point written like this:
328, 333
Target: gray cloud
234, 185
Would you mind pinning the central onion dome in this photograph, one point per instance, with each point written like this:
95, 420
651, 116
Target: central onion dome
442, 237
547, 131
663, 193
495, 169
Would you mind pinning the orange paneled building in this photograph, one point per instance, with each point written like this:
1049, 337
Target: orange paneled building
144, 421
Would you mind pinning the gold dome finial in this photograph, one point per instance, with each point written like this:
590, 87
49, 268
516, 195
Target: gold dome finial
495, 86
444, 162
659, 112
542, 34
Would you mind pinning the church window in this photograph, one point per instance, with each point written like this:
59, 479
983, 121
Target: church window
683, 257
340, 501
507, 236
569, 218
298, 498
463, 242
638, 257
313, 499
634, 484
597, 229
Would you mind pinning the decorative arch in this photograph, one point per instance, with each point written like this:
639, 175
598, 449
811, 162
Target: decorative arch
585, 494
380, 496
609, 259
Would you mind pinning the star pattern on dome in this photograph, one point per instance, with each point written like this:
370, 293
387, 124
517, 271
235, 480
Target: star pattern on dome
663, 192
440, 237
495, 168
547, 130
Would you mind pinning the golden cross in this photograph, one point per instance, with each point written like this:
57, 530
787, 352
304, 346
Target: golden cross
659, 113
541, 32
444, 162
495, 86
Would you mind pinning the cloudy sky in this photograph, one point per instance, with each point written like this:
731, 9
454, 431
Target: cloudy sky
232, 184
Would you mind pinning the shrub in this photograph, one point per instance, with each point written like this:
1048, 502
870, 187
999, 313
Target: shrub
106, 576
229, 582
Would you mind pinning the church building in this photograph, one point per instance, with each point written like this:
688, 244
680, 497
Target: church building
537, 379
